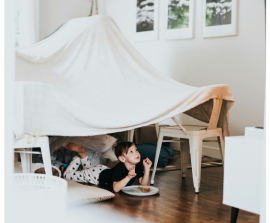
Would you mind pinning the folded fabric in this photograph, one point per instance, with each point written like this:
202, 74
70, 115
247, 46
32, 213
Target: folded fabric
149, 150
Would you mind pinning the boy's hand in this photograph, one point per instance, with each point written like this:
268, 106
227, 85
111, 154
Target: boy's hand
147, 163
132, 173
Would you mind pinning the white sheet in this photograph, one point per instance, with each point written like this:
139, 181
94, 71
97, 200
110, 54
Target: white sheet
87, 79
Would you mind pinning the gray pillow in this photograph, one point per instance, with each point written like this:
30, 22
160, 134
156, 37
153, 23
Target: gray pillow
82, 194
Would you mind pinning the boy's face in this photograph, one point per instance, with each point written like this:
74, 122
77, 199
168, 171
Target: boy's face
132, 156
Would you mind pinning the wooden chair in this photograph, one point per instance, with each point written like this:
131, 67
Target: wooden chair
194, 137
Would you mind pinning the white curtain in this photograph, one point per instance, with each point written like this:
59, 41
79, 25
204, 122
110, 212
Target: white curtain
29, 22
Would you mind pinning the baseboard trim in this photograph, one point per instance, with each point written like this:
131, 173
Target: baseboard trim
211, 152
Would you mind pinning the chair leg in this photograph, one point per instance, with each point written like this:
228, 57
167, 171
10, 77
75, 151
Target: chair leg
26, 161
130, 135
221, 147
184, 153
234, 214
16, 157
45, 150
195, 143
159, 143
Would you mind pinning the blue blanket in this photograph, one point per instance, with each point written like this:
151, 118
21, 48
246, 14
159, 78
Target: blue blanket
149, 150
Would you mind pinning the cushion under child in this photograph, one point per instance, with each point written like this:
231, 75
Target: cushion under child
123, 174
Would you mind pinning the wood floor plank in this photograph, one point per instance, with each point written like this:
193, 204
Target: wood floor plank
177, 201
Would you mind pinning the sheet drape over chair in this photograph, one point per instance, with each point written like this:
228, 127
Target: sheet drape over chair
87, 79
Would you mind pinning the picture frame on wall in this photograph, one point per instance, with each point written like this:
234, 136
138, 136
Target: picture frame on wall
180, 17
146, 20
220, 18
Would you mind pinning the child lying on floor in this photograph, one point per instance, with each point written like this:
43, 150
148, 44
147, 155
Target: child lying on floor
123, 174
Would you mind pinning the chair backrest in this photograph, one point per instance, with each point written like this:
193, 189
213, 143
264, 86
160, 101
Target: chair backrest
217, 103
213, 120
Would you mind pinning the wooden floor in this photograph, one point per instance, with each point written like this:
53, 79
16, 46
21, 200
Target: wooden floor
177, 201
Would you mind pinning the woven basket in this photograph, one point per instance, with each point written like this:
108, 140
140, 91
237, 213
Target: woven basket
39, 198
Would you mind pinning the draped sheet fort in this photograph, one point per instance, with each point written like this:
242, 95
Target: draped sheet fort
87, 79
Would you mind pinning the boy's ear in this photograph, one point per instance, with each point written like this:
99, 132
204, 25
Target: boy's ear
121, 159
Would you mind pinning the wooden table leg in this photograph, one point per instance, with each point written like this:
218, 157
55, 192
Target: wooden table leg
234, 214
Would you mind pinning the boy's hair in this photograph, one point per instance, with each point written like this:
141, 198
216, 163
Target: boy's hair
121, 147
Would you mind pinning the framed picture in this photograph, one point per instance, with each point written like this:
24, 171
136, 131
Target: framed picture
180, 19
146, 20
220, 18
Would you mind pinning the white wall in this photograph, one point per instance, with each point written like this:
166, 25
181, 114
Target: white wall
7, 83
53, 13
29, 22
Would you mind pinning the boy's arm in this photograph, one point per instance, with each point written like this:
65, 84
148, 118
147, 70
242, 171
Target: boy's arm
145, 179
117, 186
147, 165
